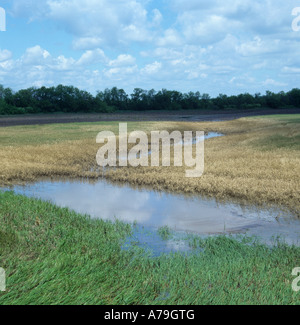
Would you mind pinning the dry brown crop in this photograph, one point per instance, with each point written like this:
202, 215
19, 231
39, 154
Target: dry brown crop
258, 160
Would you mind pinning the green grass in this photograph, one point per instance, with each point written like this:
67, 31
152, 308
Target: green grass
287, 135
56, 133
55, 256
164, 232
287, 118
52, 133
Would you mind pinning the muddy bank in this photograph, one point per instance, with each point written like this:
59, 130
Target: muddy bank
138, 116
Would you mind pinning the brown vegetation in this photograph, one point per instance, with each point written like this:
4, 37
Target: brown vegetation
258, 160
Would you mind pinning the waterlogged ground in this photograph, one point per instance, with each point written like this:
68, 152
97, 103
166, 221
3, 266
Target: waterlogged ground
154, 210
151, 211
257, 162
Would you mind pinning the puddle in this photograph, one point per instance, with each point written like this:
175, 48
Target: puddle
213, 135
210, 135
151, 241
152, 210
195, 140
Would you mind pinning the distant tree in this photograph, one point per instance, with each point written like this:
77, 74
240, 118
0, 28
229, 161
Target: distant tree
293, 97
9, 96
25, 98
71, 99
272, 99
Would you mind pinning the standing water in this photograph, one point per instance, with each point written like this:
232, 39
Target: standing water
152, 210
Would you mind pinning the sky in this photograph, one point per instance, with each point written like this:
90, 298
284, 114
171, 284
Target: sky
211, 46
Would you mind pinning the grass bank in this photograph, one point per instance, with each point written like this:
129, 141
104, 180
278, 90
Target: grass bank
258, 161
55, 256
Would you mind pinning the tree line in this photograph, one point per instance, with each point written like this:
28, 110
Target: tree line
71, 99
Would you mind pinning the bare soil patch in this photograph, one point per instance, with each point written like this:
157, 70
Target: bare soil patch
191, 115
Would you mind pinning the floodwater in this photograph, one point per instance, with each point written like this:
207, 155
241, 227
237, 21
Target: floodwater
150, 210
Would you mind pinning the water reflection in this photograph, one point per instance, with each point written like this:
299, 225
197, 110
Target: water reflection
152, 242
153, 209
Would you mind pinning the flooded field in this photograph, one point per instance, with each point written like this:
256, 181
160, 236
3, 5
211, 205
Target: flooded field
51, 254
152, 210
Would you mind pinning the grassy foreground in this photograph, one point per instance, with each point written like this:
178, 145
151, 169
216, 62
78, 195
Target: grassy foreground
55, 256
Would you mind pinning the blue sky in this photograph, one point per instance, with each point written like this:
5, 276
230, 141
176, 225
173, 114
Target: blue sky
211, 46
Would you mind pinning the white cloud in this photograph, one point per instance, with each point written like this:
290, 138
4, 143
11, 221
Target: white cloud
258, 47
208, 30
5, 55
192, 75
94, 22
170, 37
92, 57
152, 68
121, 73
291, 70
6, 66
122, 60
134, 33
231, 44
35, 55
84, 43
263, 17
157, 17
31, 9
272, 82
192, 5
61, 63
